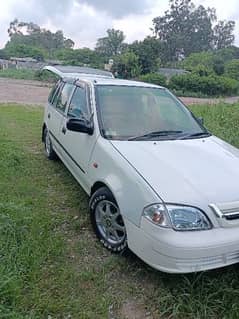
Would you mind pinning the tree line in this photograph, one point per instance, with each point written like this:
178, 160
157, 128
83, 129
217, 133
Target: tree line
177, 39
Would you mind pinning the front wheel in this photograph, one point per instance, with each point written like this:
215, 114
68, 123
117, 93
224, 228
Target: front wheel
107, 221
49, 151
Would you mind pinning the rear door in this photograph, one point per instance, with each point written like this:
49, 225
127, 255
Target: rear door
57, 105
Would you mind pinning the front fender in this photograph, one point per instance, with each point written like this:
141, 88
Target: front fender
130, 190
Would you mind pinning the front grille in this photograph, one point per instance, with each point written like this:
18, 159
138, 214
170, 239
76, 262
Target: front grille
227, 213
231, 214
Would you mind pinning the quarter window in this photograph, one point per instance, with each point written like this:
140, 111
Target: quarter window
53, 92
64, 97
56, 94
79, 106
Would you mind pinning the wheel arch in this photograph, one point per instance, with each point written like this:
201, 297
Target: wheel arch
43, 130
110, 186
99, 184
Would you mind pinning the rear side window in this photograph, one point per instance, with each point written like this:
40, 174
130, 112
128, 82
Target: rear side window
64, 97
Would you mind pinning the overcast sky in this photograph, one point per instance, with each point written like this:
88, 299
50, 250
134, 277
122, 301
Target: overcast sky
86, 20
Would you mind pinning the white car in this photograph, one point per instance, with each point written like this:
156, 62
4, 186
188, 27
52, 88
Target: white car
159, 182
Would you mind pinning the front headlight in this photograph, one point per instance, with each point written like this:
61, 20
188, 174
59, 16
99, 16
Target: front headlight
178, 217
187, 218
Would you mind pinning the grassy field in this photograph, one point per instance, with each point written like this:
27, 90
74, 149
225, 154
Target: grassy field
52, 266
24, 74
27, 74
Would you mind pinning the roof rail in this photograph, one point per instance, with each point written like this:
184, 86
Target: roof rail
65, 71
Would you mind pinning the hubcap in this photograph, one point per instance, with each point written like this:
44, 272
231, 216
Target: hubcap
110, 223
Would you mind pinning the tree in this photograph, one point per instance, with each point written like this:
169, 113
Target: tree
69, 44
223, 34
229, 53
3, 54
186, 29
30, 34
111, 45
22, 50
16, 28
149, 52
80, 57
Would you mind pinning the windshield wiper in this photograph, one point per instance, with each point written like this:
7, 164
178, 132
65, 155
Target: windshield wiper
192, 135
154, 134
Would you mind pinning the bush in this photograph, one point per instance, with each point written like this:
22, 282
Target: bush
209, 85
202, 70
126, 66
45, 76
154, 78
182, 93
203, 58
232, 69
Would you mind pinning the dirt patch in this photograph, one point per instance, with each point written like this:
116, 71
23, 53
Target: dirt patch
23, 92
36, 93
194, 100
133, 309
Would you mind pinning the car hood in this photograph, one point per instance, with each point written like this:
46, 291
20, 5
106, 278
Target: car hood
186, 171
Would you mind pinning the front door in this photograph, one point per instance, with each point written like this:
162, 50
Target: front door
78, 146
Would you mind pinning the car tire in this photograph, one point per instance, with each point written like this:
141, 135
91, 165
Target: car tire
107, 221
49, 151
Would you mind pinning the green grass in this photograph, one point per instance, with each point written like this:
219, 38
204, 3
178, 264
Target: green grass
27, 74
222, 120
52, 266
200, 95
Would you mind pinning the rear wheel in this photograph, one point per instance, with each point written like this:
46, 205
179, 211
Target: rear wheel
49, 151
107, 221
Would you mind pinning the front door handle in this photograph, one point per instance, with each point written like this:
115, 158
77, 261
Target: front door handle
63, 130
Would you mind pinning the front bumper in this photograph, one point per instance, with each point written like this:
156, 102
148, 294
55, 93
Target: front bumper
183, 252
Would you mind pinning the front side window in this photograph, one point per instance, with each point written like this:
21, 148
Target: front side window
127, 112
79, 105
64, 97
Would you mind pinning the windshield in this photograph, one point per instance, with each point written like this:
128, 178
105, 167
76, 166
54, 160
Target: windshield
129, 112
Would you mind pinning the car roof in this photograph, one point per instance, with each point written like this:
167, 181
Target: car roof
121, 82
96, 77
65, 71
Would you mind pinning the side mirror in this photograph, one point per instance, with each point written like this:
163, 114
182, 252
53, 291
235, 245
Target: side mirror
201, 120
80, 125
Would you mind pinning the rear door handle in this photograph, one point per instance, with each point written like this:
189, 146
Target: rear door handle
63, 130
49, 115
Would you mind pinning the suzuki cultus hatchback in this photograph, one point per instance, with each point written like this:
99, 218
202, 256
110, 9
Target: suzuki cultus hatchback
159, 182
